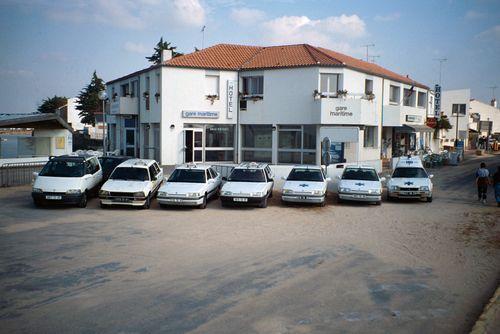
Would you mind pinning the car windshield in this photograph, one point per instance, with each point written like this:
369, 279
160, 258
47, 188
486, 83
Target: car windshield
247, 175
188, 175
410, 172
363, 174
130, 173
108, 164
63, 168
304, 174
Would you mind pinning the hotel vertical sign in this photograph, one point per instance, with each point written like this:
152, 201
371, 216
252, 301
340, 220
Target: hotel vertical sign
232, 98
437, 100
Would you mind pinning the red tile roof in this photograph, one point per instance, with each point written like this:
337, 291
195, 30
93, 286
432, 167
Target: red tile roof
242, 57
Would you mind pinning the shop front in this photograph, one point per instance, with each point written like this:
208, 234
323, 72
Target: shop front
407, 139
209, 143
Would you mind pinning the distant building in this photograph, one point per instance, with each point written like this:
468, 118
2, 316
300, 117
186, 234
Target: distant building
71, 115
455, 104
484, 115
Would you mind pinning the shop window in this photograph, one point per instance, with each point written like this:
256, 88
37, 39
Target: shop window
458, 109
409, 97
219, 142
257, 143
370, 136
212, 85
330, 82
422, 99
368, 86
394, 94
296, 144
219, 155
253, 85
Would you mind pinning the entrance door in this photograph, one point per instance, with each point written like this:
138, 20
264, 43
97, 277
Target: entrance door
193, 144
130, 142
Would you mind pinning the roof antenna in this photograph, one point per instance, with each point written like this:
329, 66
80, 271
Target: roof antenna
203, 37
367, 46
372, 58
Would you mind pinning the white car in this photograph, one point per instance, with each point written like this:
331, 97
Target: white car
133, 182
248, 183
360, 183
305, 184
190, 185
410, 180
67, 179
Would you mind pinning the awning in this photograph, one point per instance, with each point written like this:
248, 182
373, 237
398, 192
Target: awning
413, 128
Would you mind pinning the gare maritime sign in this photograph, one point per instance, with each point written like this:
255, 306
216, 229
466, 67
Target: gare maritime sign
199, 114
341, 111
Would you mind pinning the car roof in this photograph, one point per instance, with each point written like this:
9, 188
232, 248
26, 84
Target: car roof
72, 157
115, 157
359, 167
137, 163
253, 165
404, 162
307, 167
193, 166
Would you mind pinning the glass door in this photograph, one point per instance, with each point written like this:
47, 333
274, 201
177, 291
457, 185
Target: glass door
130, 142
193, 145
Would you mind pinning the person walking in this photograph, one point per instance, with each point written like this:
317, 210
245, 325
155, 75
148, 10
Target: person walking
482, 180
496, 185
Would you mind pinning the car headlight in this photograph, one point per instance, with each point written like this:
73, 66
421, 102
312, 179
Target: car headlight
103, 192
374, 191
162, 194
139, 194
73, 191
424, 188
226, 193
258, 194
193, 194
394, 187
345, 190
287, 191
317, 192
37, 190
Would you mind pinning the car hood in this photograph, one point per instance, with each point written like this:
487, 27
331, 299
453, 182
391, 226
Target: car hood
359, 184
57, 184
409, 182
125, 186
181, 187
244, 187
304, 186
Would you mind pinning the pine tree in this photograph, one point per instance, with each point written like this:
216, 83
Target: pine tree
88, 100
155, 58
51, 104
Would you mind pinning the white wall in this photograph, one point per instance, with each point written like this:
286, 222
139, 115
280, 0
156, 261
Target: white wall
448, 98
73, 117
488, 113
53, 134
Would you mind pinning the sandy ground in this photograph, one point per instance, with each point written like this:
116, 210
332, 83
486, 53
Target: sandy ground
403, 267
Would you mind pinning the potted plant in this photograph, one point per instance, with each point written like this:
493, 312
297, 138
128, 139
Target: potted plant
318, 95
342, 93
369, 96
157, 96
145, 95
212, 98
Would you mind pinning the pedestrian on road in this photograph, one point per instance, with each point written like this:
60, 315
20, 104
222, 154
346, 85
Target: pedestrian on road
496, 185
482, 180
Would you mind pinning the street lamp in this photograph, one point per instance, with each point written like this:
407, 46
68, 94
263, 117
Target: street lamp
103, 96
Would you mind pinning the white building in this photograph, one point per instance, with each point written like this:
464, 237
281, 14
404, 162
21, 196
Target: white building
275, 104
71, 115
455, 104
482, 113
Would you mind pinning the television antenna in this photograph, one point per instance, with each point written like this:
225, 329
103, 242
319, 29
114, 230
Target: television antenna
367, 46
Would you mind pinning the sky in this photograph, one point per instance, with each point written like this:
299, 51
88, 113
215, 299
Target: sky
51, 47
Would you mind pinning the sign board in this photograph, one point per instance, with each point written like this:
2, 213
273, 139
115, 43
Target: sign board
485, 125
413, 118
431, 122
199, 114
437, 100
60, 143
232, 97
114, 108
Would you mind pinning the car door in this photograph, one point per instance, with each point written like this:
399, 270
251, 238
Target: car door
217, 177
97, 175
88, 175
212, 184
159, 174
153, 174
270, 180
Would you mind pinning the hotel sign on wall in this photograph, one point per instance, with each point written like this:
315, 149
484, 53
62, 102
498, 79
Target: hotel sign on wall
199, 114
232, 98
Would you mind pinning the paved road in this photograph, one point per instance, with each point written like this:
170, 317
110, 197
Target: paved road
404, 267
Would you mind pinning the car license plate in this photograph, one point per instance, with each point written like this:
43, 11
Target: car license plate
53, 197
122, 199
359, 196
302, 197
176, 200
240, 199
410, 193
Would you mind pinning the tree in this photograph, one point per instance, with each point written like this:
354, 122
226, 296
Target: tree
155, 58
88, 100
51, 104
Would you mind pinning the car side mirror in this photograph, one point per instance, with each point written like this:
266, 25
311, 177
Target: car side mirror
35, 175
283, 178
337, 177
383, 179
224, 178
431, 176
328, 179
211, 181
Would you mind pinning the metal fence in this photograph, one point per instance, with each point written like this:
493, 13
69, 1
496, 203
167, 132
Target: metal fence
18, 173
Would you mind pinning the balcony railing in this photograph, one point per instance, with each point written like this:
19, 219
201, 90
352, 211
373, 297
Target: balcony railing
398, 115
124, 105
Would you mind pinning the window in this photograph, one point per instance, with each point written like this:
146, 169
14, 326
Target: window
458, 109
297, 144
422, 99
329, 83
147, 97
257, 143
212, 85
219, 142
135, 89
370, 136
394, 94
368, 86
243, 104
409, 97
158, 84
125, 90
152, 172
253, 85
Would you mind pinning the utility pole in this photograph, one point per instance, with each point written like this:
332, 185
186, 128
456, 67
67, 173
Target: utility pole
367, 46
203, 37
493, 91
441, 61
374, 57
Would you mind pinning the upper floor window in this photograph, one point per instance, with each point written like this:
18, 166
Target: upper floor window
370, 136
147, 93
422, 99
125, 89
212, 85
368, 86
459, 109
253, 85
394, 94
409, 97
330, 82
135, 89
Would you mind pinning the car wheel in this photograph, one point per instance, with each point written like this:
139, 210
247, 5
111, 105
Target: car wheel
429, 199
322, 204
378, 202
390, 198
340, 201
104, 206
204, 204
263, 203
83, 201
163, 206
147, 205
37, 203
270, 194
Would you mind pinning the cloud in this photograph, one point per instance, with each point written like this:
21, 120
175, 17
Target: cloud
388, 17
16, 73
492, 34
135, 47
474, 15
322, 32
54, 56
187, 12
247, 16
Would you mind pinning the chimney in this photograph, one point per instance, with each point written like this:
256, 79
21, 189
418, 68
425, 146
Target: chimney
494, 103
166, 55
